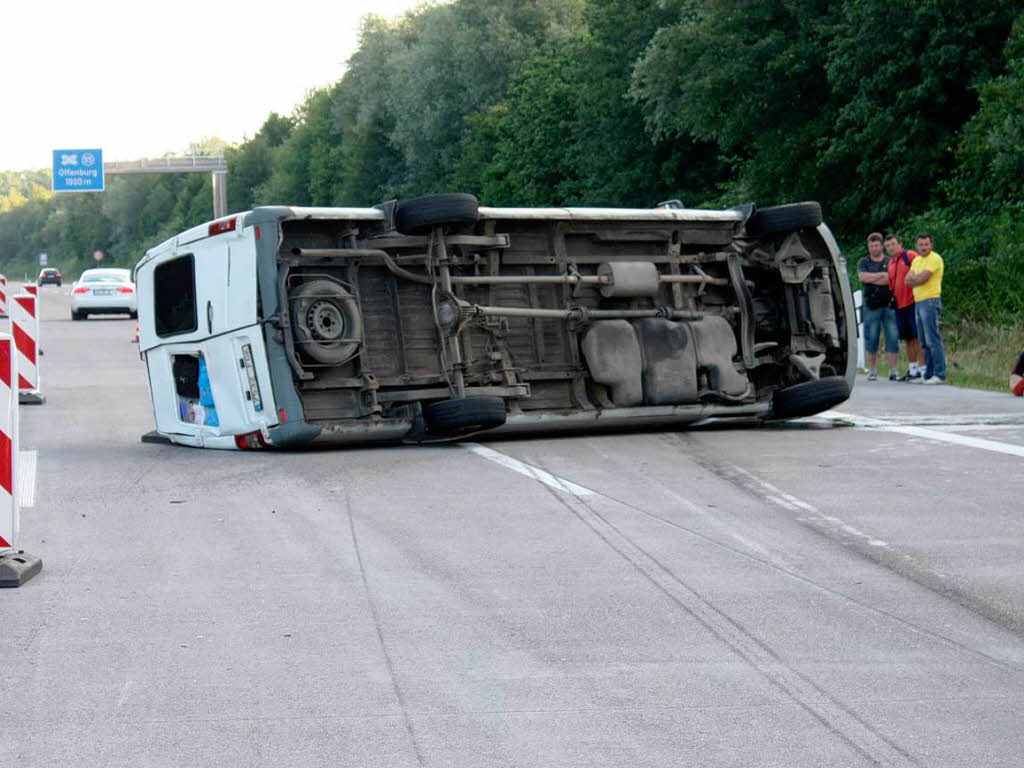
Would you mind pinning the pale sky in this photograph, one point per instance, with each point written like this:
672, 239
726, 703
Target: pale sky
139, 79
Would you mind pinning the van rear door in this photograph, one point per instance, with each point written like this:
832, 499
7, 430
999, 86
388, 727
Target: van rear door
212, 389
198, 301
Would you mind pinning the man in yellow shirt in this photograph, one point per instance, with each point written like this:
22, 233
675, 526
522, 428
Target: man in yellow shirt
925, 277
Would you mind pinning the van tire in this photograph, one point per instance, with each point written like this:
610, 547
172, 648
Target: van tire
419, 215
784, 218
464, 414
810, 397
323, 315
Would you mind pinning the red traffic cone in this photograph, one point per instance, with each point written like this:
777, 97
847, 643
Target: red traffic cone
136, 339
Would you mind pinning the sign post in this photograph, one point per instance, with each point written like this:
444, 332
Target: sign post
78, 170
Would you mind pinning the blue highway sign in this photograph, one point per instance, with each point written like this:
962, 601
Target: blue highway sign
78, 170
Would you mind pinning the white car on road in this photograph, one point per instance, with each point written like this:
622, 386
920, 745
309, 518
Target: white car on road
103, 291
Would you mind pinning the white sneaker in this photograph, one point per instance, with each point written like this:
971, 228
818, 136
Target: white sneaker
934, 380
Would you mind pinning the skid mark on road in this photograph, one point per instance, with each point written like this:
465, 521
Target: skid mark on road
832, 714
789, 502
375, 614
927, 433
903, 563
883, 555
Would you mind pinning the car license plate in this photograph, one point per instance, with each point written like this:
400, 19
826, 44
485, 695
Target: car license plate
102, 291
250, 372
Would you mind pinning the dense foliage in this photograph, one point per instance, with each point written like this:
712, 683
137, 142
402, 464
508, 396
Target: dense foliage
898, 115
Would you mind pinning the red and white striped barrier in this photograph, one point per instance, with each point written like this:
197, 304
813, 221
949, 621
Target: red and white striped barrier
8, 443
16, 566
3, 296
33, 290
25, 328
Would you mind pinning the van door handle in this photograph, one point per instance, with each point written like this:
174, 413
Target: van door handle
209, 317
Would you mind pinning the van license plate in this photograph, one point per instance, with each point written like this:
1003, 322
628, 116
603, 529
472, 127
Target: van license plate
250, 372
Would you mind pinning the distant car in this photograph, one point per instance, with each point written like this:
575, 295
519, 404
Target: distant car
103, 291
49, 275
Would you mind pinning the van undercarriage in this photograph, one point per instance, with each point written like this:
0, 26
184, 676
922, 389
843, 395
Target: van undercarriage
445, 318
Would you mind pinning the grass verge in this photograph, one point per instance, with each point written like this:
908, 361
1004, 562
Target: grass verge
978, 355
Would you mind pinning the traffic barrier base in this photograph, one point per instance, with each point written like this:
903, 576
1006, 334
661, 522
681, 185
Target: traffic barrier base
17, 567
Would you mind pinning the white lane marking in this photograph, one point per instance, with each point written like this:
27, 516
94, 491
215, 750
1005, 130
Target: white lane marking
982, 427
884, 425
947, 419
27, 478
790, 502
559, 483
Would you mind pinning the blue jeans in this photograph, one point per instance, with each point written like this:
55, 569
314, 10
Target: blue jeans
875, 321
928, 314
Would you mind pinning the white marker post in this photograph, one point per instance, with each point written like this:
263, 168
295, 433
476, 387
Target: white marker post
16, 566
858, 300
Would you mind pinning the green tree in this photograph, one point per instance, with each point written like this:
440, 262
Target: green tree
306, 165
748, 77
567, 132
991, 152
18, 187
250, 164
855, 103
905, 78
981, 224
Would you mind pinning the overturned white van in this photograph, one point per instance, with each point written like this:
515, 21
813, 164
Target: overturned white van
435, 318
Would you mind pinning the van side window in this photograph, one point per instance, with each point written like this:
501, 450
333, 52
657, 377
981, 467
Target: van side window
174, 290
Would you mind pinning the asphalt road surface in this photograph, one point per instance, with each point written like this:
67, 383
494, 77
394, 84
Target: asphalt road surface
842, 591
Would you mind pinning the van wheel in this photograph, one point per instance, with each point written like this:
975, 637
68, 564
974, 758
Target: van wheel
326, 322
420, 214
810, 397
784, 218
464, 414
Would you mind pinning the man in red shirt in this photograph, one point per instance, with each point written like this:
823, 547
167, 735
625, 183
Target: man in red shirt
899, 266
1017, 377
